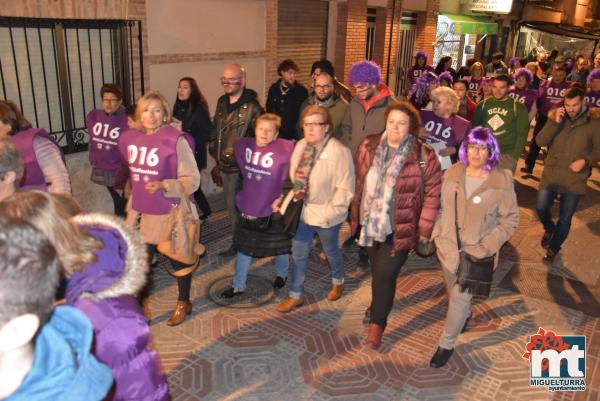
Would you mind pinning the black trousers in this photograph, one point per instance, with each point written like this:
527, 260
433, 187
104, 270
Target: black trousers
184, 284
202, 202
385, 267
119, 201
534, 149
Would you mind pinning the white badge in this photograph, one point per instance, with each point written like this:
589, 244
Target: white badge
323, 156
477, 200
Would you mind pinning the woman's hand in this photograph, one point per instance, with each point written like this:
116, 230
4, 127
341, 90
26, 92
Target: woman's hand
276, 204
450, 150
152, 187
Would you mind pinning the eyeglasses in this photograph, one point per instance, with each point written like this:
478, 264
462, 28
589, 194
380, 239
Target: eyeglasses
479, 148
231, 81
362, 88
308, 125
113, 100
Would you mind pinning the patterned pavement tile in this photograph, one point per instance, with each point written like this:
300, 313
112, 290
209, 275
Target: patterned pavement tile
248, 351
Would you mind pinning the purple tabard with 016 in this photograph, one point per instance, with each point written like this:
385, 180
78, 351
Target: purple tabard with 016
263, 170
104, 131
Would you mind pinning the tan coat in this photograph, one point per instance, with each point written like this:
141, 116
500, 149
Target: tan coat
487, 219
188, 177
331, 185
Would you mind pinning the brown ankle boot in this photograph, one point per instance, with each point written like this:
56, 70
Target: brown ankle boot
373, 339
336, 292
289, 304
182, 309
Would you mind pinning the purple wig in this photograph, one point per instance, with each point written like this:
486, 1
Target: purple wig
422, 54
513, 61
481, 136
364, 72
524, 72
595, 74
446, 76
424, 84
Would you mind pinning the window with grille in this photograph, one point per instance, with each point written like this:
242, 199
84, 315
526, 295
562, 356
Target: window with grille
371, 19
54, 69
447, 42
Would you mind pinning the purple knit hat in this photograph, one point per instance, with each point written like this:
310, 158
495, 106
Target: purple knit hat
595, 74
446, 76
364, 72
524, 72
513, 61
422, 53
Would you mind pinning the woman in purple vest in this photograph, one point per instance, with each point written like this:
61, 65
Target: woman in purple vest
105, 126
264, 162
42, 158
475, 79
592, 95
106, 265
521, 92
445, 130
162, 170
191, 110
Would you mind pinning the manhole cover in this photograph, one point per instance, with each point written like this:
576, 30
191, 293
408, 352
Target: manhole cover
259, 291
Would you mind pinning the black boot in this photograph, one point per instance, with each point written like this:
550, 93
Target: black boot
440, 357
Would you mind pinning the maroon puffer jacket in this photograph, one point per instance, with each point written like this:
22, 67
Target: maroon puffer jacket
411, 221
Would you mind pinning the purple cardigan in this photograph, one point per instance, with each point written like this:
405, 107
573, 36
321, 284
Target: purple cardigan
106, 292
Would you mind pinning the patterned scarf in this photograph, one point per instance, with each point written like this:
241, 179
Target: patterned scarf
306, 164
380, 183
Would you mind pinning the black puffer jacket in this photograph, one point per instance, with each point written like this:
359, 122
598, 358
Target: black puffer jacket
232, 121
286, 106
196, 123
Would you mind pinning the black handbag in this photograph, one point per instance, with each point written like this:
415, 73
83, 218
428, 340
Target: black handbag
291, 217
424, 248
255, 223
473, 275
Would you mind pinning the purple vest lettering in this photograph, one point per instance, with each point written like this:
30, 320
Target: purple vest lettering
263, 171
474, 87
551, 95
104, 132
449, 131
150, 158
33, 177
525, 96
415, 73
592, 99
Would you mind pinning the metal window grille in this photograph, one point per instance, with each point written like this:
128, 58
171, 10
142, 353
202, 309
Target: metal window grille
53, 70
405, 56
370, 47
447, 42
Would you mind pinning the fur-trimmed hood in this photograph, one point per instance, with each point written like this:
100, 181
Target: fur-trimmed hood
592, 114
122, 263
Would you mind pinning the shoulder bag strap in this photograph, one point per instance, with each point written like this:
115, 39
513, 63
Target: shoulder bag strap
456, 220
317, 156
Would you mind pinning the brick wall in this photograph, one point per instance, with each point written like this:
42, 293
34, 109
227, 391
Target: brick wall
427, 27
351, 36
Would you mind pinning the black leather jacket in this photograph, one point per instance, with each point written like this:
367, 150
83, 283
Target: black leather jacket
228, 126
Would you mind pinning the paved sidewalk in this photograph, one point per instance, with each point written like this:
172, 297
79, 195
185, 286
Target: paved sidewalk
248, 351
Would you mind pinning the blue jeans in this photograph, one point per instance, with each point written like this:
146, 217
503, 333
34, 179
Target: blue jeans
242, 265
568, 204
301, 247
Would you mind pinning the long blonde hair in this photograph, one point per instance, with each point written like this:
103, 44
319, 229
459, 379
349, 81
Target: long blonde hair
51, 215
